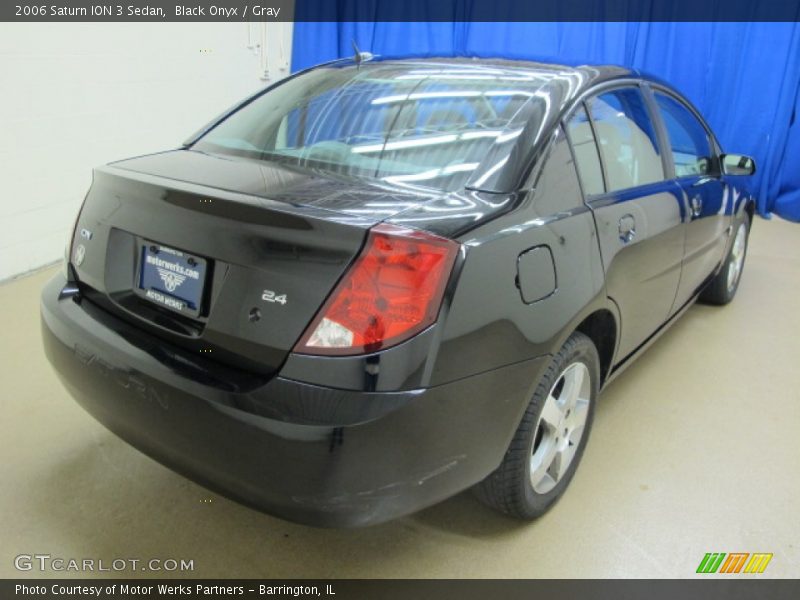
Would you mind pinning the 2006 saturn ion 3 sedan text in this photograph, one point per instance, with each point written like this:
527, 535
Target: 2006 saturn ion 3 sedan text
377, 284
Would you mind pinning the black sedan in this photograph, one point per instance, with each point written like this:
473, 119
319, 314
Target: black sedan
379, 283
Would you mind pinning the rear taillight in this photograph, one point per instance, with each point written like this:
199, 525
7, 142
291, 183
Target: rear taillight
392, 292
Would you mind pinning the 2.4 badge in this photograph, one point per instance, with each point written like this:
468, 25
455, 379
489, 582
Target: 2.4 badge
271, 296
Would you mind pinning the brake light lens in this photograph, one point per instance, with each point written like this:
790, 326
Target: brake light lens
392, 292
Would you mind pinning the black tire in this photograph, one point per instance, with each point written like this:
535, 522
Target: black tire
509, 489
718, 291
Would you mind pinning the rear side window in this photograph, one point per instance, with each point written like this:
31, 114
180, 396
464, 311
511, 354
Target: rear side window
627, 139
556, 185
688, 140
585, 149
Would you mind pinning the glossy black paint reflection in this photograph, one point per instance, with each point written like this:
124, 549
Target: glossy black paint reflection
306, 453
361, 439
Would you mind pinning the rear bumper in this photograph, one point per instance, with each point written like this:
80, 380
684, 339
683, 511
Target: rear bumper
305, 453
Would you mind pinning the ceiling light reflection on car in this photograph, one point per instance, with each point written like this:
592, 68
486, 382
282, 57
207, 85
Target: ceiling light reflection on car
432, 173
403, 144
491, 171
449, 94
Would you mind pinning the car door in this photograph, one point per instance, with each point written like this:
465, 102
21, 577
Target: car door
696, 170
637, 211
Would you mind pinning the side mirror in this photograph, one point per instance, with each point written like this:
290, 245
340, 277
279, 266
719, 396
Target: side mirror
738, 164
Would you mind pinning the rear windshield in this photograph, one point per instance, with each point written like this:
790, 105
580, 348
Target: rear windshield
408, 125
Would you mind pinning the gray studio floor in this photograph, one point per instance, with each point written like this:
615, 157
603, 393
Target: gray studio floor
695, 449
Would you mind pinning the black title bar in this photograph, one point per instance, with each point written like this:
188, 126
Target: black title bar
398, 10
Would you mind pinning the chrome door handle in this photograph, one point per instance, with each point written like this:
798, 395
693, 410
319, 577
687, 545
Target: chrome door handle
627, 229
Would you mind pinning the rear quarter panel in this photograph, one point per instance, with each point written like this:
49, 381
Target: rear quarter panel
488, 324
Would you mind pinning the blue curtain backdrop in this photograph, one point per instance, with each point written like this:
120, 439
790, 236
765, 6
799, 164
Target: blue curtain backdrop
744, 77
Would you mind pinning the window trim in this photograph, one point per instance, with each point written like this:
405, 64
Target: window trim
712, 140
661, 132
564, 126
558, 134
596, 91
603, 169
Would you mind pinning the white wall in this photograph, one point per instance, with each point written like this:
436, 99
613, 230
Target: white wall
74, 96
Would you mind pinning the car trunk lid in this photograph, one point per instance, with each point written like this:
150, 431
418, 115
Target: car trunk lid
265, 245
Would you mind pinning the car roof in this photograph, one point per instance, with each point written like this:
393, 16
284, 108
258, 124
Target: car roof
587, 74
478, 62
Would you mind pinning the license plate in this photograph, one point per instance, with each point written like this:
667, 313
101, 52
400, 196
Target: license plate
172, 278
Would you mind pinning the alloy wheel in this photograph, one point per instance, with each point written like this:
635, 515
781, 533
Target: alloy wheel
560, 427
737, 257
